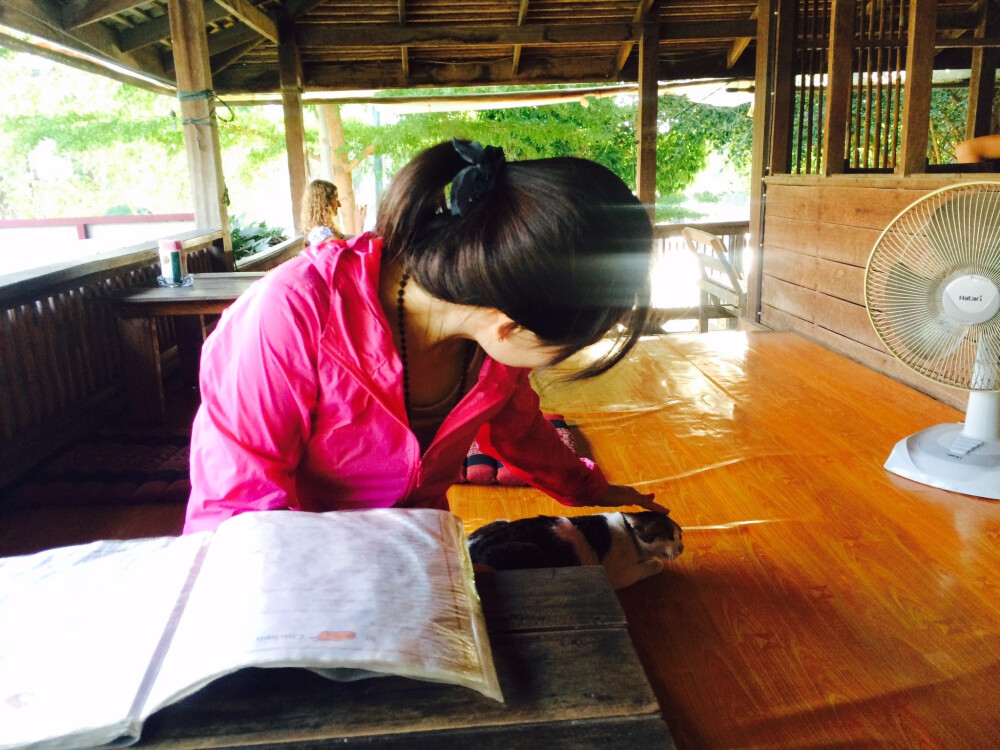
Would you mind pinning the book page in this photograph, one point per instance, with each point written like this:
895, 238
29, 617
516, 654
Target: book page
78, 628
387, 590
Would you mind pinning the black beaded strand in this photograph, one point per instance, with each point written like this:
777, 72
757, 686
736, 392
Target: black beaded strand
400, 318
467, 357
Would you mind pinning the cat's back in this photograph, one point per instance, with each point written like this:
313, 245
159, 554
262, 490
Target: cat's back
525, 543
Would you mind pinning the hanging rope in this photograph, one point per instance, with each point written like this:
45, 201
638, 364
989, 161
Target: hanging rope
204, 94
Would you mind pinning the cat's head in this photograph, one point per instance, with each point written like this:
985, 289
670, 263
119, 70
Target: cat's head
657, 533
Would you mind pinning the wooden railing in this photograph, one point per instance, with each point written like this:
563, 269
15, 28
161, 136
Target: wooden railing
672, 253
273, 256
60, 357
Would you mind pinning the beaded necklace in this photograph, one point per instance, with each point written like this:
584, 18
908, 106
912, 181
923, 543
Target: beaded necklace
401, 321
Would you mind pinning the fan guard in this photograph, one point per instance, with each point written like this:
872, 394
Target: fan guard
932, 282
932, 288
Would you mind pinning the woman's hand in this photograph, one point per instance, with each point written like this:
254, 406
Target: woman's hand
619, 495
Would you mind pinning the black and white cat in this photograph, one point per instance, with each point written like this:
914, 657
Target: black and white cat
630, 546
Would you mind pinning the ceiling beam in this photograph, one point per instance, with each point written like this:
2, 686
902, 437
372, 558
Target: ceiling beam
223, 41
739, 45
298, 8
223, 60
626, 49
80, 63
736, 49
158, 29
393, 36
256, 19
79, 13
534, 34
354, 76
522, 13
404, 52
96, 40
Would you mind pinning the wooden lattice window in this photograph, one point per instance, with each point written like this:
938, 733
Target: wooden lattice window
812, 39
877, 86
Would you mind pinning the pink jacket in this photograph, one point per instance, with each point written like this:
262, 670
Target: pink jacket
302, 405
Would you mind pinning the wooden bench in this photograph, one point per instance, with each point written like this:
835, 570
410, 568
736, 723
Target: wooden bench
569, 674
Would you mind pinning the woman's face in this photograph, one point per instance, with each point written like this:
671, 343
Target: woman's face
335, 203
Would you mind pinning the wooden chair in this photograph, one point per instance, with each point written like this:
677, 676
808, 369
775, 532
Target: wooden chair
721, 285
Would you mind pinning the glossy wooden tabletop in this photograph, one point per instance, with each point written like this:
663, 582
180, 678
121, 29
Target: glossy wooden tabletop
820, 601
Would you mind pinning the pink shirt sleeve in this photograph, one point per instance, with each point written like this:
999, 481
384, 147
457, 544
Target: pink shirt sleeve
258, 387
529, 446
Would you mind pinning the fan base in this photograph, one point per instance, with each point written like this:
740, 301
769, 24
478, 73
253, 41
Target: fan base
926, 458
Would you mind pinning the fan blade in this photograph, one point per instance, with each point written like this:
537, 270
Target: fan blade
911, 320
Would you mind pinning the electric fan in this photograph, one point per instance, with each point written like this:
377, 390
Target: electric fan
932, 287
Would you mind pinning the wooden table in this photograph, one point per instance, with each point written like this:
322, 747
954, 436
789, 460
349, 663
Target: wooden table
821, 601
138, 312
569, 675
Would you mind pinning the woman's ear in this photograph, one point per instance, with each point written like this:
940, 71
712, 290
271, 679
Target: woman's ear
504, 326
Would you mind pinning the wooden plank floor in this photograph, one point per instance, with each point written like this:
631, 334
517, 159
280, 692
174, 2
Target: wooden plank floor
820, 600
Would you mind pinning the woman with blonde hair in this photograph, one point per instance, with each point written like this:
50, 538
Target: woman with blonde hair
319, 212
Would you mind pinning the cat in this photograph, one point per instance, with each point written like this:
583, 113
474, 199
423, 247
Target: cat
630, 546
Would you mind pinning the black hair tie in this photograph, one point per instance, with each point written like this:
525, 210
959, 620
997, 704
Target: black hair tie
477, 179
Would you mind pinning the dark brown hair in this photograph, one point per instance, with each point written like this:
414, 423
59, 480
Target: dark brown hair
561, 246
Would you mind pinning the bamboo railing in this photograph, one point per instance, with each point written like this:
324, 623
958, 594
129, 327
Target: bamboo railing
60, 357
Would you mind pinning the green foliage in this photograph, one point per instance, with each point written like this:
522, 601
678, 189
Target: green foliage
126, 210
948, 111
669, 209
73, 143
252, 237
603, 130
706, 197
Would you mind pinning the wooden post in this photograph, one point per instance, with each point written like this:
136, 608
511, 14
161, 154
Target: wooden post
649, 43
982, 86
201, 133
290, 76
838, 87
763, 115
917, 90
783, 94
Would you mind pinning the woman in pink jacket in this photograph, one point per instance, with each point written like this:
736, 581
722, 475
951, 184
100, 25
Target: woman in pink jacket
357, 374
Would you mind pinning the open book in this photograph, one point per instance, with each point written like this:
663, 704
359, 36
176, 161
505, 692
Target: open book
95, 638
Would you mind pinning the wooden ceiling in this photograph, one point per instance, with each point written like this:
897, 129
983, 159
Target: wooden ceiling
375, 44
378, 44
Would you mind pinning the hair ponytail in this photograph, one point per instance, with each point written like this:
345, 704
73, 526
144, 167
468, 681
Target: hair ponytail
415, 198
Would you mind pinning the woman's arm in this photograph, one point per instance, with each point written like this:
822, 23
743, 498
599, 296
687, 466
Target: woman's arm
975, 150
529, 446
258, 388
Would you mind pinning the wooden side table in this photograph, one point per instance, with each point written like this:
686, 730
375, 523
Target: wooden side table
137, 311
569, 674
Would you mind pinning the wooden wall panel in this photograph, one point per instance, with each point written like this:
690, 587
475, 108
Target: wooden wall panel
877, 359
818, 235
850, 205
789, 298
847, 244
841, 280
